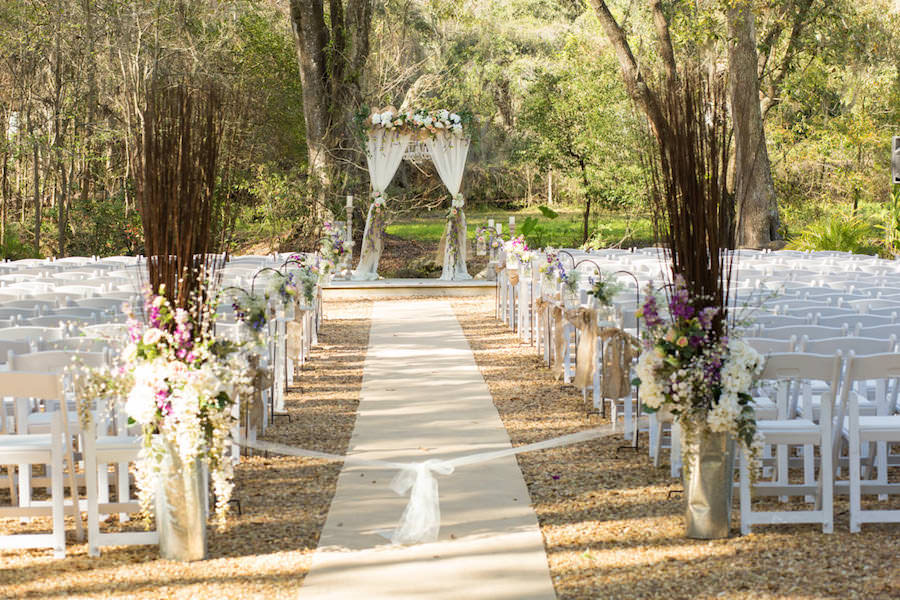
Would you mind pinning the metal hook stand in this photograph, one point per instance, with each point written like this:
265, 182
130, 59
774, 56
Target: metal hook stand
635, 434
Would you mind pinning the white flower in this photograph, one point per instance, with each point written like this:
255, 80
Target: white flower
376, 119
724, 415
438, 125
454, 117
152, 336
444, 114
457, 128
458, 201
427, 121
141, 404
386, 117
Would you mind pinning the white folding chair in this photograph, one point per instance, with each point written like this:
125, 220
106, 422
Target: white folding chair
49, 449
787, 370
876, 431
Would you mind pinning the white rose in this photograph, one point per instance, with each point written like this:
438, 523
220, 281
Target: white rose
444, 115
454, 117
438, 125
387, 116
152, 336
376, 119
141, 404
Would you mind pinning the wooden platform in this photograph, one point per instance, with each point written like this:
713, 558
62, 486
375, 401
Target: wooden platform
402, 288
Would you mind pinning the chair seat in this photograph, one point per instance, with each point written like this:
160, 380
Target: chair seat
793, 431
30, 442
115, 443
764, 408
876, 428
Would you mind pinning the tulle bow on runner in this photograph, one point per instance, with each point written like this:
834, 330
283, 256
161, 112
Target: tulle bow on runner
421, 519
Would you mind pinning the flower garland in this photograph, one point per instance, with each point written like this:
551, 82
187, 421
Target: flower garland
417, 121
456, 206
377, 227
702, 378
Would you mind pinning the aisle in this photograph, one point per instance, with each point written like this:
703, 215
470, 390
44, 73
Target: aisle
423, 397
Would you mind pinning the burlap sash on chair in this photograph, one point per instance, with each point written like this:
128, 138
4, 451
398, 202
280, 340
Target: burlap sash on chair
253, 409
620, 349
513, 275
294, 341
585, 320
557, 315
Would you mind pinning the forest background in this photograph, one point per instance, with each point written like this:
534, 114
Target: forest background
554, 124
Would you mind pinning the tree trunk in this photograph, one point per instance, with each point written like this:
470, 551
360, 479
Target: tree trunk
587, 202
332, 51
61, 212
37, 201
755, 205
5, 201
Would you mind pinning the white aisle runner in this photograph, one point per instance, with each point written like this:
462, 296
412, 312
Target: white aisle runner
423, 397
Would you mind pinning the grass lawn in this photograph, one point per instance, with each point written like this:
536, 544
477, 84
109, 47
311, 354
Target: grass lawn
563, 231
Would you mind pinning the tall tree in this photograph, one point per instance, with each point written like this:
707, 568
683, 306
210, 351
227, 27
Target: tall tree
757, 211
332, 49
754, 190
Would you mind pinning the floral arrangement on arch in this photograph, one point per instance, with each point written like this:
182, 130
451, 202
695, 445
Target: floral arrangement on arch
180, 384
700, 376
418, 121
378, 201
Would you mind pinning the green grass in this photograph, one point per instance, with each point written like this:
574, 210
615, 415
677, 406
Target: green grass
563, 231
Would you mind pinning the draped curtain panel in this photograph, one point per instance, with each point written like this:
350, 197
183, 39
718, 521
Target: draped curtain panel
449, 152
384, 151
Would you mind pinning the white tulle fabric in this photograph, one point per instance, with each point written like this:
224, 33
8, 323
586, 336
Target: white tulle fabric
448, 153
421, 519
384, 151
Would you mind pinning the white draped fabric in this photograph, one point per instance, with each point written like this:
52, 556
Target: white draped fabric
384, 151
448, 152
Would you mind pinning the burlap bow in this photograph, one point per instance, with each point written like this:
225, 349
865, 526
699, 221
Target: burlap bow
513, 275
294, 340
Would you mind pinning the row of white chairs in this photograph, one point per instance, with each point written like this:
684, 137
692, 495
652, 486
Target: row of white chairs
798, 302
110, 443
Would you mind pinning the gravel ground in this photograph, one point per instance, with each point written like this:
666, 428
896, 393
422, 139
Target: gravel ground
265, 552
610, 530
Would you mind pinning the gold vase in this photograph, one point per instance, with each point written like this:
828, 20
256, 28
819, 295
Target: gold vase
708, 477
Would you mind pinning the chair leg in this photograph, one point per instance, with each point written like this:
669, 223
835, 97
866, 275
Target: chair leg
809, 470
95, 486
855, 491
58, 500
123, 493
25, 488
675, 451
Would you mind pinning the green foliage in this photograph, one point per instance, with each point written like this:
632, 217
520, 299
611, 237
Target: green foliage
848, 234
103, 226
15, 247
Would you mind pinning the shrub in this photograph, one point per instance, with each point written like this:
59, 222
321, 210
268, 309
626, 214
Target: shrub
842, 234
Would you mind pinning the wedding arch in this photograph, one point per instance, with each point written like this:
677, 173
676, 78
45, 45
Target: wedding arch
389, 137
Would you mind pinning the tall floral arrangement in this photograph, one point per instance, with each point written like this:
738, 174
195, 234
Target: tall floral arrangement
695, 372
183, 384
693, 363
